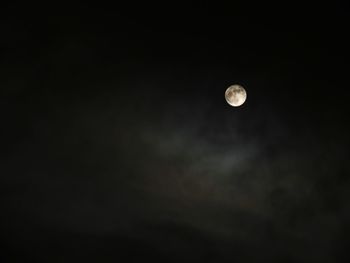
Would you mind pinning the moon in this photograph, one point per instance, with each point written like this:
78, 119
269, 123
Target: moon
235, 95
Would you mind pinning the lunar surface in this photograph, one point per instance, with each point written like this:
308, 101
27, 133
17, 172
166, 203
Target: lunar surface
235, 95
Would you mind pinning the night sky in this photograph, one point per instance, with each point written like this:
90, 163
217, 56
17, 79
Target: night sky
117, 144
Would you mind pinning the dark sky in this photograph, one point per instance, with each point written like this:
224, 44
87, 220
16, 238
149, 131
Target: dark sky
117, 144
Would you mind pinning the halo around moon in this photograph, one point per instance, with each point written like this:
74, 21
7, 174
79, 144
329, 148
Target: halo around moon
235, 95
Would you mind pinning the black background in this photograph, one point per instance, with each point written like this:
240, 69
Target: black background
118, 146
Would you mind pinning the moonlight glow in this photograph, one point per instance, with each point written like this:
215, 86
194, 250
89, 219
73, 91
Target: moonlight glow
235, 95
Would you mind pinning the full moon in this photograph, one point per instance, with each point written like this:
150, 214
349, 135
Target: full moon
235, 95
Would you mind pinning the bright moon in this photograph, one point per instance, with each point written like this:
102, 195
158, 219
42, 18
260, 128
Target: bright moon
235, 95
